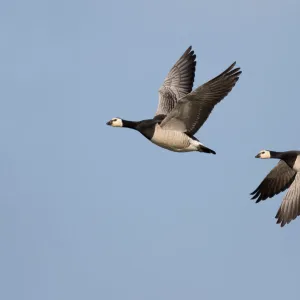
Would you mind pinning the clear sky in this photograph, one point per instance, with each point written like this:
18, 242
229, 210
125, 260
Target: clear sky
92, 212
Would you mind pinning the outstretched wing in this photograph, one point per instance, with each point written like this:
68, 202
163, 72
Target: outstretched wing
290, 206
278, 180
192, 111
178, 82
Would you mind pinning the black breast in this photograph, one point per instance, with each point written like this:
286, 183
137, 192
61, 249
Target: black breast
290, 157
147, 127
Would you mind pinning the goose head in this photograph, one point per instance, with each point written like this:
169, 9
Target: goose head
115, 122
263, 154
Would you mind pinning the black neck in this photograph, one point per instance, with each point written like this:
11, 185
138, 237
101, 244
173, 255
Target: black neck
275, 154
130, 124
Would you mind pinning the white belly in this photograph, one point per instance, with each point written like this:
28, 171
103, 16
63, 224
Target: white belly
174, 140
175, 149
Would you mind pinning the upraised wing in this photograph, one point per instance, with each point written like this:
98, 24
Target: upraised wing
178, 82
192, 110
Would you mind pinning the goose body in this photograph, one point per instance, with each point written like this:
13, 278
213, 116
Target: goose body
285, 175
181, 112
175, 140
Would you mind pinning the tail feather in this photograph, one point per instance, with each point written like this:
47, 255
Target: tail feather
204, 149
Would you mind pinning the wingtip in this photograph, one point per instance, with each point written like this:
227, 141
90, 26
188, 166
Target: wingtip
281, 222
256, 197
255, 191
230, 71
237, 71
188, 50
232, 65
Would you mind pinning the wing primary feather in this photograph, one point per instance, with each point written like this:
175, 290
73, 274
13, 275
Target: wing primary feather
178, 83
192, 110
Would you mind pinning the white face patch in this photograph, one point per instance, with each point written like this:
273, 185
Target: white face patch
264, 154
116, 122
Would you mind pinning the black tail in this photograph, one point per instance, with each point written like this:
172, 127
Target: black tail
205, 149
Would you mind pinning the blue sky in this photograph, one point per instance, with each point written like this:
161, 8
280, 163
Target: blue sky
92, 212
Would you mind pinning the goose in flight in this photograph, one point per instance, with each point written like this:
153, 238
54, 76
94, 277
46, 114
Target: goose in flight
181, 112
285, 175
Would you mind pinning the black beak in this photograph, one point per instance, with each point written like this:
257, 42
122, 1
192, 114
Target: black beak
109, 122
257, 156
